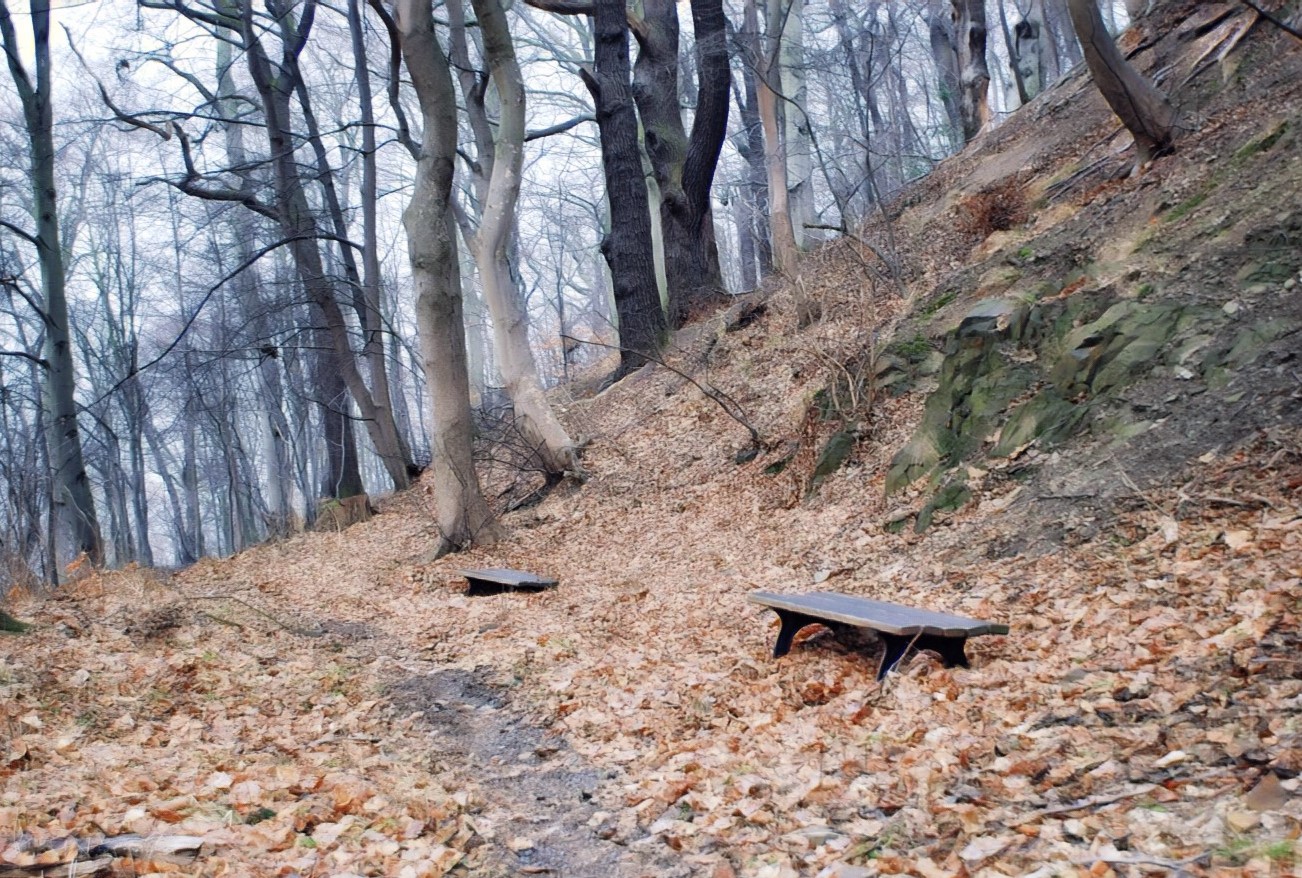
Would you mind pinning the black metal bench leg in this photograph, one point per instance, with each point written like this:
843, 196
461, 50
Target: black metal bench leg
791, 623
896, 646
950, 649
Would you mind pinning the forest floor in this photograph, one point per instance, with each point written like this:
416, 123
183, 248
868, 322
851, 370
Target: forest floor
334, 704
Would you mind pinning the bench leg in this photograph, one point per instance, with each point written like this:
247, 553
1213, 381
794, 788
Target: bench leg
791, 623
950, 650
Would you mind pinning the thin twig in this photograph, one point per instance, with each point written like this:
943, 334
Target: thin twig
729, 405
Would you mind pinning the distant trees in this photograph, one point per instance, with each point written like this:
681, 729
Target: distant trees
204, 329
75, 526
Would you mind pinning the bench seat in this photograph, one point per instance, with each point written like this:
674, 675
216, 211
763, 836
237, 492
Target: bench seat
899, 627
498, 580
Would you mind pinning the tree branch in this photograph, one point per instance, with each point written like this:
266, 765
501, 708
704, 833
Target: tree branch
26, 236
564, 7
559, 128
23, 355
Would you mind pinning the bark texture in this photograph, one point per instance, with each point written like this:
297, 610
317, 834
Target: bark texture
684, 166
786, 253
974, 74
1144, 110
463, 513
501, 157
627, 247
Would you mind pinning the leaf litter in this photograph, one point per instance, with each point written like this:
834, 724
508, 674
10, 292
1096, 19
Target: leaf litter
335, 705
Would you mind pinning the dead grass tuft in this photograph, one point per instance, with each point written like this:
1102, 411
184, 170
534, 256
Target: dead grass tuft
995, 209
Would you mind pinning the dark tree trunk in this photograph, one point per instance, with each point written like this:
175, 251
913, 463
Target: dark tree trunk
342, 478
627, 247
683, 167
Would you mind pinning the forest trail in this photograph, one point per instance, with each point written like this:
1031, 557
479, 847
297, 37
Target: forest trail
334, 704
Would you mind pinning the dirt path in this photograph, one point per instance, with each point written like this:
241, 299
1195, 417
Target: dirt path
537, 813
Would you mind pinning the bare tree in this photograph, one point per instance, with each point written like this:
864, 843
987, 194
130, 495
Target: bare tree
76, 528
973, 71
1145, 111
463, 513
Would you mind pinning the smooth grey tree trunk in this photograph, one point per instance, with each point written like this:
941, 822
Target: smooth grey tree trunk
1144, 110
462, 512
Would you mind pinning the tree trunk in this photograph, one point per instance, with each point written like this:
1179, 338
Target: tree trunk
789, 79
751, 147
1146, 113
944, 54
534, 418
786, 255
627, 247
75, 526
974, 75
463, 513
684, 168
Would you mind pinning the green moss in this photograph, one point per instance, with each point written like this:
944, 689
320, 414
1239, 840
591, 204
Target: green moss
952, 496
914, 350
1261, 144
833, 456
1189, 204
10, 625
937, 303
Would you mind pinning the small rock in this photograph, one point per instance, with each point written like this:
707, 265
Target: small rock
1267, 795
1232, 308
520, 843
1242, 821
1175, 757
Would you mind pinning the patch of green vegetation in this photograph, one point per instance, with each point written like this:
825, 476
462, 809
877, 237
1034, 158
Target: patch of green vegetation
10, 625
833, 456
1236, 851
306, 841
1283, 852
937, 303
1025, 253
1183, 208
1145, 289
257, 816
913, 350
1261, 144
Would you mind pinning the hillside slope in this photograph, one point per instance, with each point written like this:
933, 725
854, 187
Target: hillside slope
1091, 423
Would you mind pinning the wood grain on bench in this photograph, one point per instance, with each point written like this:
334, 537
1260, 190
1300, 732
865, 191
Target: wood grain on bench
900, 627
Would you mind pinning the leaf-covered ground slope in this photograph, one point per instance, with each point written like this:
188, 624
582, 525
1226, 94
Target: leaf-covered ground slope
333, 704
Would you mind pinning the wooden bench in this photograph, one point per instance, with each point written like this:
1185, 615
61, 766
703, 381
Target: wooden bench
898, 626
498, 580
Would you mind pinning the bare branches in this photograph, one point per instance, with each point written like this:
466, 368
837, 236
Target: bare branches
559, 128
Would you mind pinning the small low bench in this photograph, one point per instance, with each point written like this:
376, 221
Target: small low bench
898, 626
498, 580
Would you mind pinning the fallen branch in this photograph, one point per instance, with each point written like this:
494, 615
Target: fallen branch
1091, 802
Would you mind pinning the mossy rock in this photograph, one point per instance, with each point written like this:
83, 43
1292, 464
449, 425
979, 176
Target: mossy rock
1046, 417
833, 456
10, 625
953, 495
